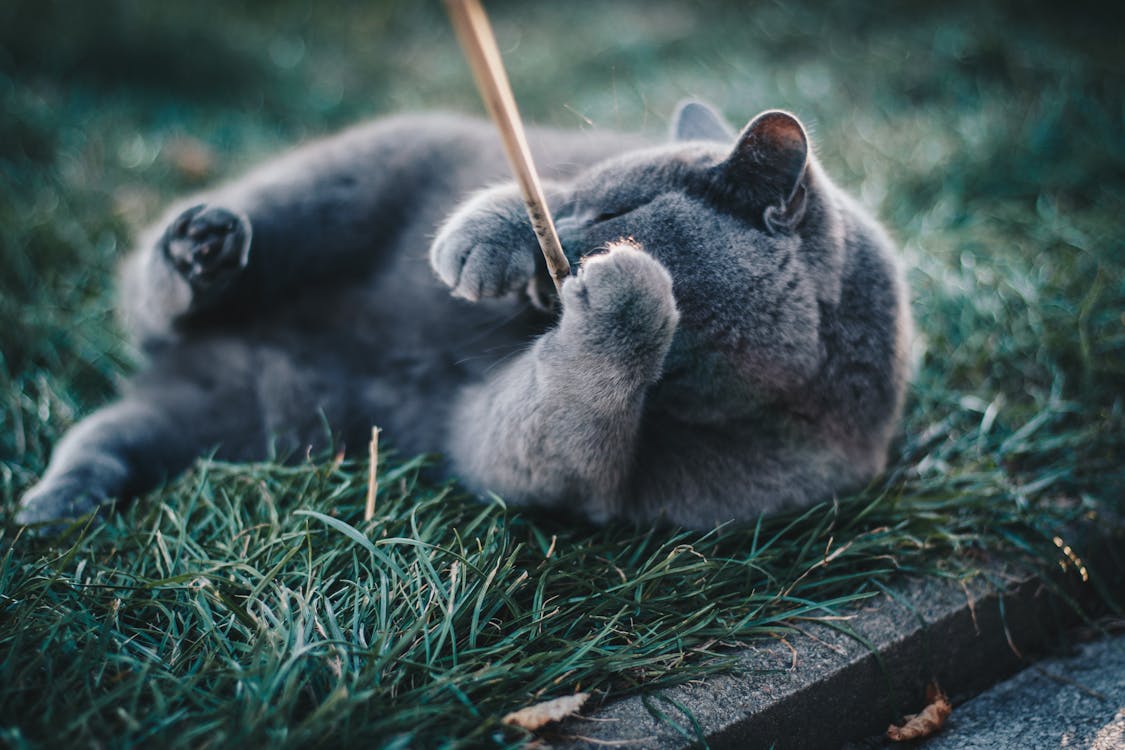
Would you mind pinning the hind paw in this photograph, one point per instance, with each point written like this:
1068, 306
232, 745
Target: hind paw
208, 246
50, 506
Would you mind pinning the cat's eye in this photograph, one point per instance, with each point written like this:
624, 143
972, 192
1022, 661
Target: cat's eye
607, 215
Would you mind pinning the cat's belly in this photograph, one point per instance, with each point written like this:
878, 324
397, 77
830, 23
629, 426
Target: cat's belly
319, 373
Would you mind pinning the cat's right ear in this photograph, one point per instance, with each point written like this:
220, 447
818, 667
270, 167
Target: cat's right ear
695, 121
768, 163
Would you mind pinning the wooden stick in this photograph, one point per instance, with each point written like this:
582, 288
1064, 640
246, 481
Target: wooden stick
475, 34
372, 475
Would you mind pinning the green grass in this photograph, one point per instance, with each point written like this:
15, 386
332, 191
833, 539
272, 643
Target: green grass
251, 604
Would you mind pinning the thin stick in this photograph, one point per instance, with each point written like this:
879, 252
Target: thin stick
475, 34
372, 475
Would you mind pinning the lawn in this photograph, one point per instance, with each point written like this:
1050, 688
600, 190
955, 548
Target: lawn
246, 605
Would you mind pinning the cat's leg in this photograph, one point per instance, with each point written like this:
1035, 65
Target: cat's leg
124, 447
127, 448
319, 213
559, 425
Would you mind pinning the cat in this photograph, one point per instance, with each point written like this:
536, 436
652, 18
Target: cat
733, 339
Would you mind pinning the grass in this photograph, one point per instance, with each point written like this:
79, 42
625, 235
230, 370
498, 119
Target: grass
252, 605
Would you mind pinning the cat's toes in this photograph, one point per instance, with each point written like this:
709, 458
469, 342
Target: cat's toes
49, 506
486, 248
474, 267
619, 307
207, 245
625, 292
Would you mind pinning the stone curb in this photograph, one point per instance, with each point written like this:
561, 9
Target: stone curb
821, 687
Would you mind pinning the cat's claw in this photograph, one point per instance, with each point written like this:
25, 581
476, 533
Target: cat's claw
207, 245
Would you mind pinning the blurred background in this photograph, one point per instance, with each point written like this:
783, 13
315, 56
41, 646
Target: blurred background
988, 136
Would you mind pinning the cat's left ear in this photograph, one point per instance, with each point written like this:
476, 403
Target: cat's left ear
772, 155
695, 121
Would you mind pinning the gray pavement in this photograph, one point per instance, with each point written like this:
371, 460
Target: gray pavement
1071, 702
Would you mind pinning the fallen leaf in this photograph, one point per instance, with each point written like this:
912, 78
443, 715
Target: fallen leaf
921, 725
533, 717
191, 157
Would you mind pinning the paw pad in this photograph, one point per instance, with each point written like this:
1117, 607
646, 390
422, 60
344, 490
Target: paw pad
207, 244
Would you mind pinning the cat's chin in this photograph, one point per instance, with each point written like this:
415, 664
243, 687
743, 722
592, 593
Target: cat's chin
540, 292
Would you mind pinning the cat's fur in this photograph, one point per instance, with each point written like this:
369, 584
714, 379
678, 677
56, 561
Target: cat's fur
733, 340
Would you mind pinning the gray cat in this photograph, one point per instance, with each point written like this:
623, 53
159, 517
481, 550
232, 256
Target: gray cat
733, 340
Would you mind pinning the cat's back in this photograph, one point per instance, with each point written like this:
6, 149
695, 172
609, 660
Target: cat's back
426, 157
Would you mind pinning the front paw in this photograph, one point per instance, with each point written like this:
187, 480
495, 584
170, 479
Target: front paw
486, 248
208, 246
621, 301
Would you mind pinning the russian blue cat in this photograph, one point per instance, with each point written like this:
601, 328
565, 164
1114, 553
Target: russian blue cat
733, 340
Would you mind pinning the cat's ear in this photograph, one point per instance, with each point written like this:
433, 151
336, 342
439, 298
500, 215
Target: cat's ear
696, 121
773, 149
772, 154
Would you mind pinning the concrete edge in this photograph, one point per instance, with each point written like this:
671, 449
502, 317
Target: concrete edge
820, 687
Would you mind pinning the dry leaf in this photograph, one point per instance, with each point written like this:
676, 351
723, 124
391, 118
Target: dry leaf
533, 717
922, 725
192, 158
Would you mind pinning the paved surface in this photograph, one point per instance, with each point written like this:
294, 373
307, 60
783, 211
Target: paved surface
1075, 702
821, 686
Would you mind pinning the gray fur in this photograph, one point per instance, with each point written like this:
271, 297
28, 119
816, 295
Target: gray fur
733, 340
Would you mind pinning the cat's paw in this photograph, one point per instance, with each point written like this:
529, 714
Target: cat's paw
207, 245
622, 299
475, 267
486, 249
48, 506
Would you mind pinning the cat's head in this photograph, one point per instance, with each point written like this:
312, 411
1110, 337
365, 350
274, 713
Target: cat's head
747, 226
